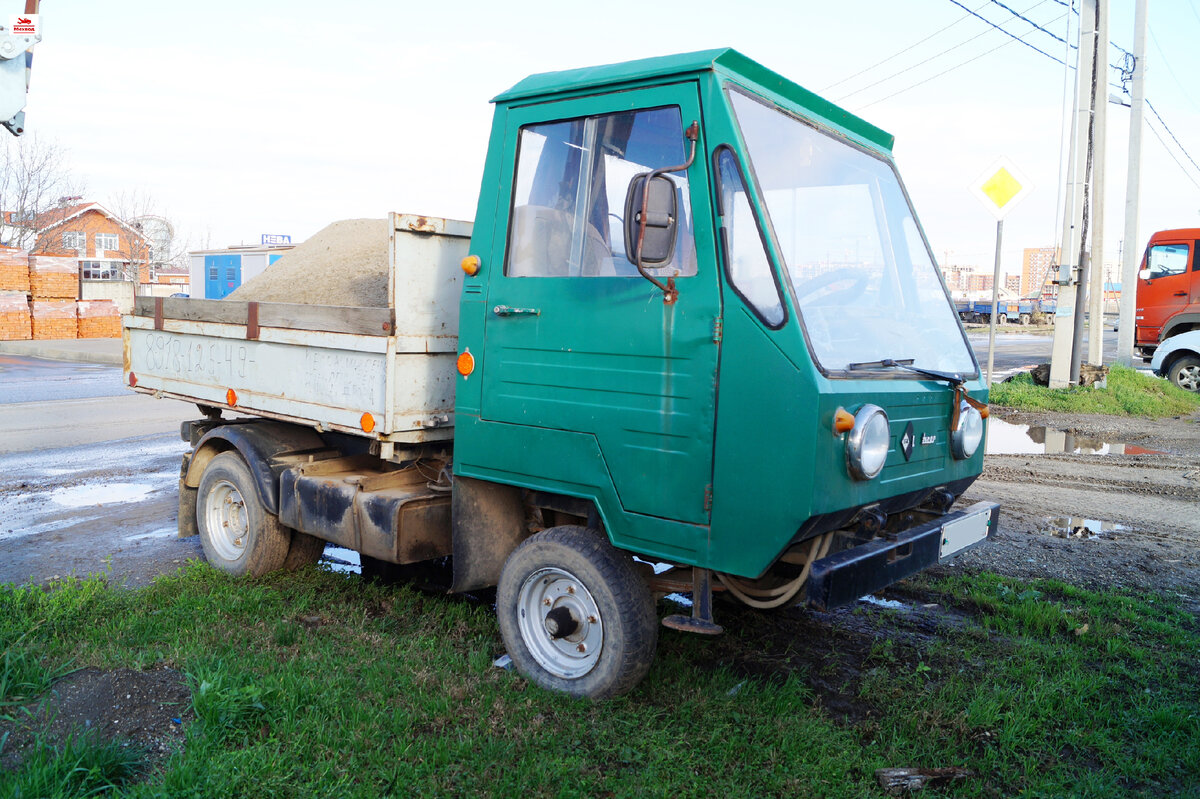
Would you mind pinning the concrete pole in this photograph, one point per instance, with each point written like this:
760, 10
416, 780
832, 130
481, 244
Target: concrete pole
1095, 350
1064, 314
1132, 249
995, 301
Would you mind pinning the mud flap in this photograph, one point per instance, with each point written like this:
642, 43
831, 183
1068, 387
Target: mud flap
187, 501
488, 521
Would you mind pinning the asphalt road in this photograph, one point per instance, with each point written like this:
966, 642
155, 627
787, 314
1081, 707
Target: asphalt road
88, 474
1019, 351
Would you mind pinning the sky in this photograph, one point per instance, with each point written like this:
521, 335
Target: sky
260, 117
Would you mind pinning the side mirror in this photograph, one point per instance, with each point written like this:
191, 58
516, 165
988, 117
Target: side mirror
1144, 274
662, 219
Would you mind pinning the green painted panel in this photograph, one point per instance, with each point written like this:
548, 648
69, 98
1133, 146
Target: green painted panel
605, 355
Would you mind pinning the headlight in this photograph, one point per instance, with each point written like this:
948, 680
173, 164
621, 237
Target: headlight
965, 440
867, 444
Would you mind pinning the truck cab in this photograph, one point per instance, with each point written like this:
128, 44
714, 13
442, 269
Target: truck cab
1168, 289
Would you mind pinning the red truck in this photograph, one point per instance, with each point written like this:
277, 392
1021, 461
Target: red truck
1168, 288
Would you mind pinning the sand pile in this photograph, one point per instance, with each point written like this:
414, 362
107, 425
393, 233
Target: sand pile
345, 263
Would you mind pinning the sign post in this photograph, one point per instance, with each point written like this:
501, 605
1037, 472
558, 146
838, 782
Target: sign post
999, 188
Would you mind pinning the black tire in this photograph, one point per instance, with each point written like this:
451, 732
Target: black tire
305, 550
237, 533
1185, 373
581, 580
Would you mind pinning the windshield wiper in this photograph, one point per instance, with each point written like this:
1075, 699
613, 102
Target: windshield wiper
906, 364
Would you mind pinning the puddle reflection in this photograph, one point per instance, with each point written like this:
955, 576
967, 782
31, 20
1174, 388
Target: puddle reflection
1079, 527
1005, 438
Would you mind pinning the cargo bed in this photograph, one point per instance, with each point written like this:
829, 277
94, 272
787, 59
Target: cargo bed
382, 372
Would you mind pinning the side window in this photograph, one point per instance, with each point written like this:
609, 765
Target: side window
1164, 260
746, 261
569, 194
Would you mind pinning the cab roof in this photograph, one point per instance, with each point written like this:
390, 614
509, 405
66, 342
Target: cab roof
725, 62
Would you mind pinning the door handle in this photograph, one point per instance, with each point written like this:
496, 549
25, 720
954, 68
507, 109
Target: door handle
1179, 294
504, 310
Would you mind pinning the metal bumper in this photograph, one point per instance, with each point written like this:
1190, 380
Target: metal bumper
845, 576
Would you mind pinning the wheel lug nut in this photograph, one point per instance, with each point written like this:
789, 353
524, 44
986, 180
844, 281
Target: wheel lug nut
592, 619
546, 602
570, 589
581, 648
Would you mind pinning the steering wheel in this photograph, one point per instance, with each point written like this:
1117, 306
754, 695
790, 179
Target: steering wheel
858, 281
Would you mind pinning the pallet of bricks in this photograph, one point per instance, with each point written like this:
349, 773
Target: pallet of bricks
99, 319
54, 283
14, 295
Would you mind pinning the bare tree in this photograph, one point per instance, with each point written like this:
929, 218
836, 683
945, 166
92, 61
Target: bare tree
162, 244
34, 179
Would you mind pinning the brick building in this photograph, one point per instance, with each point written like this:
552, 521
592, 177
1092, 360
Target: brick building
106, 247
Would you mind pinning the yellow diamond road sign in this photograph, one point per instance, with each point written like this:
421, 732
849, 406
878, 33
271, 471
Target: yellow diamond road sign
1001, 187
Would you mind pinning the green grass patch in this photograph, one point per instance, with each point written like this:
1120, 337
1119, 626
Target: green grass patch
81, 766
317, 684
1129, 393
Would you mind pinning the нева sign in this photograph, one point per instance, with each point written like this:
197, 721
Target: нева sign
1001, 187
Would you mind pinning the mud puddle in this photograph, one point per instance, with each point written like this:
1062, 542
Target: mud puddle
1005, 438
1080, 527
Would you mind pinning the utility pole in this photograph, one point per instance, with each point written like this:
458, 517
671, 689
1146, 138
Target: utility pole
1061, 373
1100, 109
1133, 185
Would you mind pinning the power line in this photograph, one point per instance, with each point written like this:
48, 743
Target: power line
951, 69
1182, 169
897, 54
1167, 64
1031, 22
1011, 35
912, 67
1167, 128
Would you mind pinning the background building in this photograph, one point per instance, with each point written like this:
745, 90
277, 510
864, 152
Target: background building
1037, 263
215, 273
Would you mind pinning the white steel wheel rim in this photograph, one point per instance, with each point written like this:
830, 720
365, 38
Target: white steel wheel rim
225, 518
1189, 378
546, 596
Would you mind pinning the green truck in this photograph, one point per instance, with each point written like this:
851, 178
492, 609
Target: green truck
695, 324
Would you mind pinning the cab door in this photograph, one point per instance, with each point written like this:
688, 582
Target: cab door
575, 339
1167, 290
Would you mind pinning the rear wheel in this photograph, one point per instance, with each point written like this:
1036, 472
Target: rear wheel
1185, 373
575, 615
237, 533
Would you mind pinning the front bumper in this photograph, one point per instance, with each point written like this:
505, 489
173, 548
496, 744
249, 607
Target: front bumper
843, 577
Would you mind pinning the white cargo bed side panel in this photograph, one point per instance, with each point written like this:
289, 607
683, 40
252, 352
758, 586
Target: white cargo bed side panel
426, 271
317, 382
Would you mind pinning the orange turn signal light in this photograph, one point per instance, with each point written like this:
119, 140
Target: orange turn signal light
471, 265
367, 422
984, 411
843, 421
230, 397
465, 363
132, 380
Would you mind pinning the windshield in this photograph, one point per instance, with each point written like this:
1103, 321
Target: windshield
862, 276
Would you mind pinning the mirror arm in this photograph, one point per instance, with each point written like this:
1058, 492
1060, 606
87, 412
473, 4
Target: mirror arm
670, 294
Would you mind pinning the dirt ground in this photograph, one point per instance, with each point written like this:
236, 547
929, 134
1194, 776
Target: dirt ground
1098, 520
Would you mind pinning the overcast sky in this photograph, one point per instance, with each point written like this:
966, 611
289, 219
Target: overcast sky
264, 116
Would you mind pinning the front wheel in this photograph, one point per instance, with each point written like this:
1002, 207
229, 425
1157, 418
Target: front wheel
575, 615
238, 534
1185, 373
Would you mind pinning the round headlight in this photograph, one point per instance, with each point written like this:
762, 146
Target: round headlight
867, 444
965, 440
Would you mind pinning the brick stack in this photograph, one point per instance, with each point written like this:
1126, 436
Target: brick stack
53, 319
14, 316
98, 319
14, 270
53, 278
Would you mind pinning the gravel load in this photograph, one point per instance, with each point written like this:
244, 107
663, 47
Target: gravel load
345, 263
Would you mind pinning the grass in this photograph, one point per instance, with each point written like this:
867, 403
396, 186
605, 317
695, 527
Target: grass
1129, 393
315, 684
